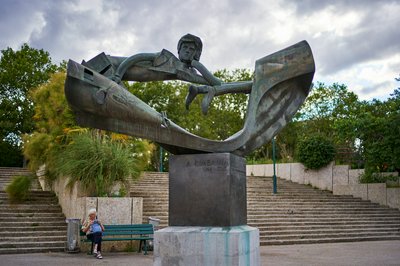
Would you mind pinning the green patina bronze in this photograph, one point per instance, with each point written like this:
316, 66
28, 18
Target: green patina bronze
97, 96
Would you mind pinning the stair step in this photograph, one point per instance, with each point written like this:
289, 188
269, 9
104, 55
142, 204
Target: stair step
58, 232
58, 248
57, 243
31, 215
328, 240
36, 225
293, 231
295, 212
50, 219
40, 227
32, 223
267, 237
36, 239
261, 223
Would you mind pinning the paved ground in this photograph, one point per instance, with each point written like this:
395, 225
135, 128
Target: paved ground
375, 253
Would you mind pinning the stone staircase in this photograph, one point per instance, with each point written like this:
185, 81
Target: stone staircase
37, 225
297, 214
153, 188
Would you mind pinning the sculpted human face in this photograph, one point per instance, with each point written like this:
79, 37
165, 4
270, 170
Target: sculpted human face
187, 52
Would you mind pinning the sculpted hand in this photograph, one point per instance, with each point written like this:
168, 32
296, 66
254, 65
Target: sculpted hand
116, 78
193, 91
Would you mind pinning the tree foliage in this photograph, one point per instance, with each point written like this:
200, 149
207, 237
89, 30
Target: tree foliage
224, 118
378, 128
316, 151
20, 72
323, 108
10, 155
53, 119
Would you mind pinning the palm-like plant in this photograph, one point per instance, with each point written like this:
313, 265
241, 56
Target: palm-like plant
97, 161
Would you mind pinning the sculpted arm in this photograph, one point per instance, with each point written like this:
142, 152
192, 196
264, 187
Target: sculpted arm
130, 62
207, 75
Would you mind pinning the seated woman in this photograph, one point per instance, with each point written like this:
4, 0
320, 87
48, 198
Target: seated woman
94, 230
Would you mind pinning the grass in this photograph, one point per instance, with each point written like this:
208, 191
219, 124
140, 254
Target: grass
97, 162
19, 188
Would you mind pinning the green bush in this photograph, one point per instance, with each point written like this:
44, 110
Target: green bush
18, 189
376, 178
315, 152
97, 162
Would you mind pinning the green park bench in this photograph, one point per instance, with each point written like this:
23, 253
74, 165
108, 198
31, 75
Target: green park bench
125, 232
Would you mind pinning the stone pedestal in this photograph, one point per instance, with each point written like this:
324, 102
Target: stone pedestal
207, 214
207, 190
191, 246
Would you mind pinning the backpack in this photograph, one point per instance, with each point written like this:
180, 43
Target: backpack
96, 227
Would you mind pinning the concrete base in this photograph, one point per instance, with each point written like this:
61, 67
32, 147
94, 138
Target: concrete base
192, 245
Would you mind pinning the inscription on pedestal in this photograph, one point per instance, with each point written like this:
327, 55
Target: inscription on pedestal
207, 190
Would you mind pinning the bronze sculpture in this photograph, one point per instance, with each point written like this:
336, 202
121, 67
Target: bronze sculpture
281, 84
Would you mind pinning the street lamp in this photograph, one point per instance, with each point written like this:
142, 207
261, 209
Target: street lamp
274, 164
161, 159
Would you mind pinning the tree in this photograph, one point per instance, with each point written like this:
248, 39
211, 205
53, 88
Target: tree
225, 116
10, 155
53, 120
378, 129
323, 108
20, 72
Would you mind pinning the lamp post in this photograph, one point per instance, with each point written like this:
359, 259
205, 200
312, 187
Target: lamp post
161, 159
274, 164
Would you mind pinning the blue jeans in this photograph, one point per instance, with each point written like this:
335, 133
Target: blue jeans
96, 239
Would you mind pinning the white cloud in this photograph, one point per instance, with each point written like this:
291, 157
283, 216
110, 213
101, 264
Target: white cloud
375, 79
354, 42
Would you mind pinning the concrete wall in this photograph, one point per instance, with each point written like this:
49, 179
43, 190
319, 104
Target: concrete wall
118, 210
393, 197
339, 179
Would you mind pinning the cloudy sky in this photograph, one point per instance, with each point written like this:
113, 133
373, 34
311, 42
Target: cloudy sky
356, 42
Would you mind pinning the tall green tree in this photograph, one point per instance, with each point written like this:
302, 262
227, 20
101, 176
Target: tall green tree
323, 108
224, 118
378, 129
20, 72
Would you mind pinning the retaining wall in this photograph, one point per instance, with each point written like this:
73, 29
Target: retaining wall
339, 179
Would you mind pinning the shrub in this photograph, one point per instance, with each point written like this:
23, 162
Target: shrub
36, 148
376, 178
18, 189
315, 152
97, 162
